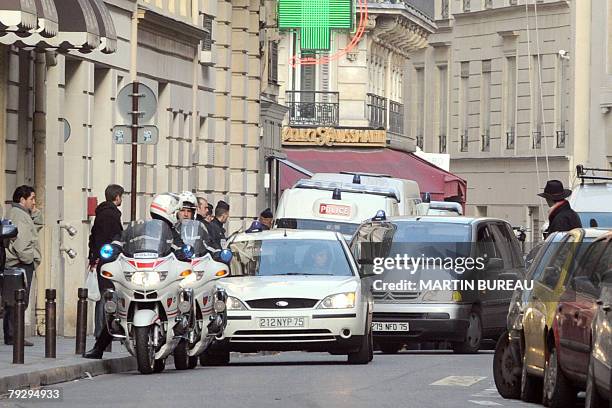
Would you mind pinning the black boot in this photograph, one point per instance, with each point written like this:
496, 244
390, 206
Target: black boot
101, 344
95, 353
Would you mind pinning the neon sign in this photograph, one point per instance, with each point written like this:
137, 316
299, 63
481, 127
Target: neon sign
315, 19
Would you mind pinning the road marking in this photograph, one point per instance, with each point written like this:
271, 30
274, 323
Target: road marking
486, 403
459, 381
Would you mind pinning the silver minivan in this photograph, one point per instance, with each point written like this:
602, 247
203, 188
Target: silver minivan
418, 299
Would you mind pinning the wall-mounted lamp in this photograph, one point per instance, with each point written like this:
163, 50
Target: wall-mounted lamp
70, 252
69, 229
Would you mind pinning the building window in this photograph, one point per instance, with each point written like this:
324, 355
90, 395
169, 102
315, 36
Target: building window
465, 91
466, 5
273, 62
207, 39
510, 105
443, 104
488, 4
444, 13
377, 111
420, 98
561, 102
396, 118
442, 144
513, 2
485, 109
536, 103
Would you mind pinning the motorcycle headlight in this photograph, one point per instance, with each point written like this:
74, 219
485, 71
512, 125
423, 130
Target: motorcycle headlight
145, 278
339, 301
235, 304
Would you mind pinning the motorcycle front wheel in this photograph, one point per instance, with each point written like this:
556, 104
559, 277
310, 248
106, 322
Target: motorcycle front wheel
182, 361
145, 351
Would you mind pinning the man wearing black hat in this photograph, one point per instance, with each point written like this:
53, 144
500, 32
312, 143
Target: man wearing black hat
561, 217
265, 218
216, 230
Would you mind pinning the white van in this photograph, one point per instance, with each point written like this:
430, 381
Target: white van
409, 194
333, 206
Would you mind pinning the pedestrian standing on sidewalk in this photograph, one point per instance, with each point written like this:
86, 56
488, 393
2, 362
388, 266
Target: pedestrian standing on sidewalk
561, 217
107, 226
24, 251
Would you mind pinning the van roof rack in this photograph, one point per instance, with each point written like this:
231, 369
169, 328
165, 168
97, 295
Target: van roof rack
360, 173
581, 173
348, 188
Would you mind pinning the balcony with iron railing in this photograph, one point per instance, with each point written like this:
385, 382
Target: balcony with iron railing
485, 141
376, 111
537, 140
396, 118
313, 108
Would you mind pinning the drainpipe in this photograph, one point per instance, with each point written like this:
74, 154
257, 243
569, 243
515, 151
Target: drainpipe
43, 272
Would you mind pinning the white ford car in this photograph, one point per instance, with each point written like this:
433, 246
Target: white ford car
294, 290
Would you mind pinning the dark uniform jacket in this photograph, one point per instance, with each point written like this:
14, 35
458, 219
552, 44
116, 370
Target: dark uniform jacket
216, 233
562, 219
107, 228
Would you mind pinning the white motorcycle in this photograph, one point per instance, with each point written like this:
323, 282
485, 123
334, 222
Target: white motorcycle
207, 317
149, 310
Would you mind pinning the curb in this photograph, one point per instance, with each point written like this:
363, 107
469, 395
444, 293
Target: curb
57, 375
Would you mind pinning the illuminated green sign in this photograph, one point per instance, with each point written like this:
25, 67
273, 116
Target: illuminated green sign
315, 19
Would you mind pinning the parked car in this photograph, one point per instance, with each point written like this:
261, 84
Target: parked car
571, 352
295, 290
461, 316
507, 360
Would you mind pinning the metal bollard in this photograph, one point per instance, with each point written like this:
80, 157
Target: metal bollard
81, 326
19, 326
50, 324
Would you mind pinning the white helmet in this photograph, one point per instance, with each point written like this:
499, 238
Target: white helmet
188, 200
165, 206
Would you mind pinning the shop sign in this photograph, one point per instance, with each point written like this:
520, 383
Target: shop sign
326, 136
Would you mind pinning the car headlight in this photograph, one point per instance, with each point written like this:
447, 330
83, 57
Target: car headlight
442, 296
339, 301
235, 304
146, 278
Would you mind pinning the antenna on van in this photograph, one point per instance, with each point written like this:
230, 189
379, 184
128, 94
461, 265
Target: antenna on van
337, 195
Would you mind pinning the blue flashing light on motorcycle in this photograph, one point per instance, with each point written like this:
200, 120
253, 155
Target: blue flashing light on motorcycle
380, 216
107, 251
226, 256
188, 251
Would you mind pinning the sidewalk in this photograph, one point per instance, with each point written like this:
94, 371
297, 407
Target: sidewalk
68, 366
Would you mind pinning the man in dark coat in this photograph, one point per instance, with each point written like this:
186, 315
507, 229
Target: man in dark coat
107, 227
216, 230
266, 218
561, 217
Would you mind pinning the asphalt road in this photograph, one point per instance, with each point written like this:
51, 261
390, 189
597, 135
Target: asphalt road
415, 379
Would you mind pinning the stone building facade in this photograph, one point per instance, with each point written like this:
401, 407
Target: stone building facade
207, 63
517, 92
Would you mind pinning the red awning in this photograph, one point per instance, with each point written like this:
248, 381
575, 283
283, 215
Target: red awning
440, 183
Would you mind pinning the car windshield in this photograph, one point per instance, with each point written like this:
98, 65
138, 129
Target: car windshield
345, 228
601, 219
431, 239
153, 237
274, 257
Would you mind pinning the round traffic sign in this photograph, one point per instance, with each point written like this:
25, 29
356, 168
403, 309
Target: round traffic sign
147, 102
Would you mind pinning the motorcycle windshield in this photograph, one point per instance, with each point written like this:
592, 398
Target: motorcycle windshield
194, 234
147, 237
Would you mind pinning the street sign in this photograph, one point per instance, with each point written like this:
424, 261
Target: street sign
147, 102
147, 134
